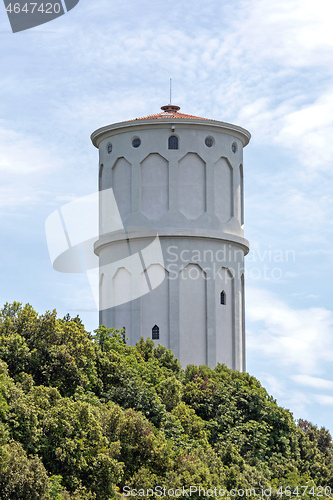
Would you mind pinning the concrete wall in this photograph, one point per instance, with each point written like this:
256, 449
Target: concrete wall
194, 186
192, 198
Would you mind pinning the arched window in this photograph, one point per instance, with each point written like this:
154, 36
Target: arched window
223, 298
155, 333
173, 142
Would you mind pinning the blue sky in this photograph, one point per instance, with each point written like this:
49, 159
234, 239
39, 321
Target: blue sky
266, 66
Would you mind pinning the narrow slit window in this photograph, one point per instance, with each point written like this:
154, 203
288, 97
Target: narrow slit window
241, 193
100, 177
155, 333
223, 298
173, 142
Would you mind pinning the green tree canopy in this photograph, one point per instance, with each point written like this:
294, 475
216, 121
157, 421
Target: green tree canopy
83, 415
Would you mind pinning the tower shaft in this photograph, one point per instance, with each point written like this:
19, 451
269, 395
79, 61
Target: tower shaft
171, 246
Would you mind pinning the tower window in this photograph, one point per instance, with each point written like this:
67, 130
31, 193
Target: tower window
136, 142
109, 147
155, 333
209, 141
234, 147
173, 142
223, 298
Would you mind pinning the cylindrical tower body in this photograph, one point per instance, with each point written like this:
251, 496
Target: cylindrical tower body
171, 249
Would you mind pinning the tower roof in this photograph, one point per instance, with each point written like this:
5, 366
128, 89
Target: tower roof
170, 111
168, 115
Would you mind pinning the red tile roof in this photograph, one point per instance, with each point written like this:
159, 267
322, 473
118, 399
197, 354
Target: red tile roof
169, 111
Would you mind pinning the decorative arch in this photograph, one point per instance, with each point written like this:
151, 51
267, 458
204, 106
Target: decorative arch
225, 315
156, 274
229, 273
155, 308
121, 287
192, 186
193, 315
223, 190
195, 265
154, 186
121, 182
121, 298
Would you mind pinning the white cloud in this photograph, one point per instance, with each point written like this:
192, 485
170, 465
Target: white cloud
285, 50
287, 396
22, 153
309, 381
245, 64
309, 130
26, 164
301, 210
305, 130
13, 196
297, 402
324, 399
299, 338
284, 204
298, 32
273, 384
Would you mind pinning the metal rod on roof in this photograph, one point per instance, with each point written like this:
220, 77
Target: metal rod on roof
170, 90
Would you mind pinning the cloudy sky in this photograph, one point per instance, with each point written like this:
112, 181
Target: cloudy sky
266, 66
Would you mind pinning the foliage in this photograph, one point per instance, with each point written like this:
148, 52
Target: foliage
82, 416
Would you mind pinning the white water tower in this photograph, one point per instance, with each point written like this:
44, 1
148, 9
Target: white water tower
173, 269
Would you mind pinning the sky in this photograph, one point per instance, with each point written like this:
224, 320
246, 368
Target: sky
266, 66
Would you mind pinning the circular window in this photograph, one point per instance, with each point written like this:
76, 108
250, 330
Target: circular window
136, 142
209, 141
234, 147
109, 148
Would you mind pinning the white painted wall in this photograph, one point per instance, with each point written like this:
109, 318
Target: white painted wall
155, 305
193, 198
192, 315
225, 316
154, 182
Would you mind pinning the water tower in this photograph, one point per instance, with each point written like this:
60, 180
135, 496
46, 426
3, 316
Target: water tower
171, 247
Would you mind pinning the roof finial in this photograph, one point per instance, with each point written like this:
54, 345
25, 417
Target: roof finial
170, 108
